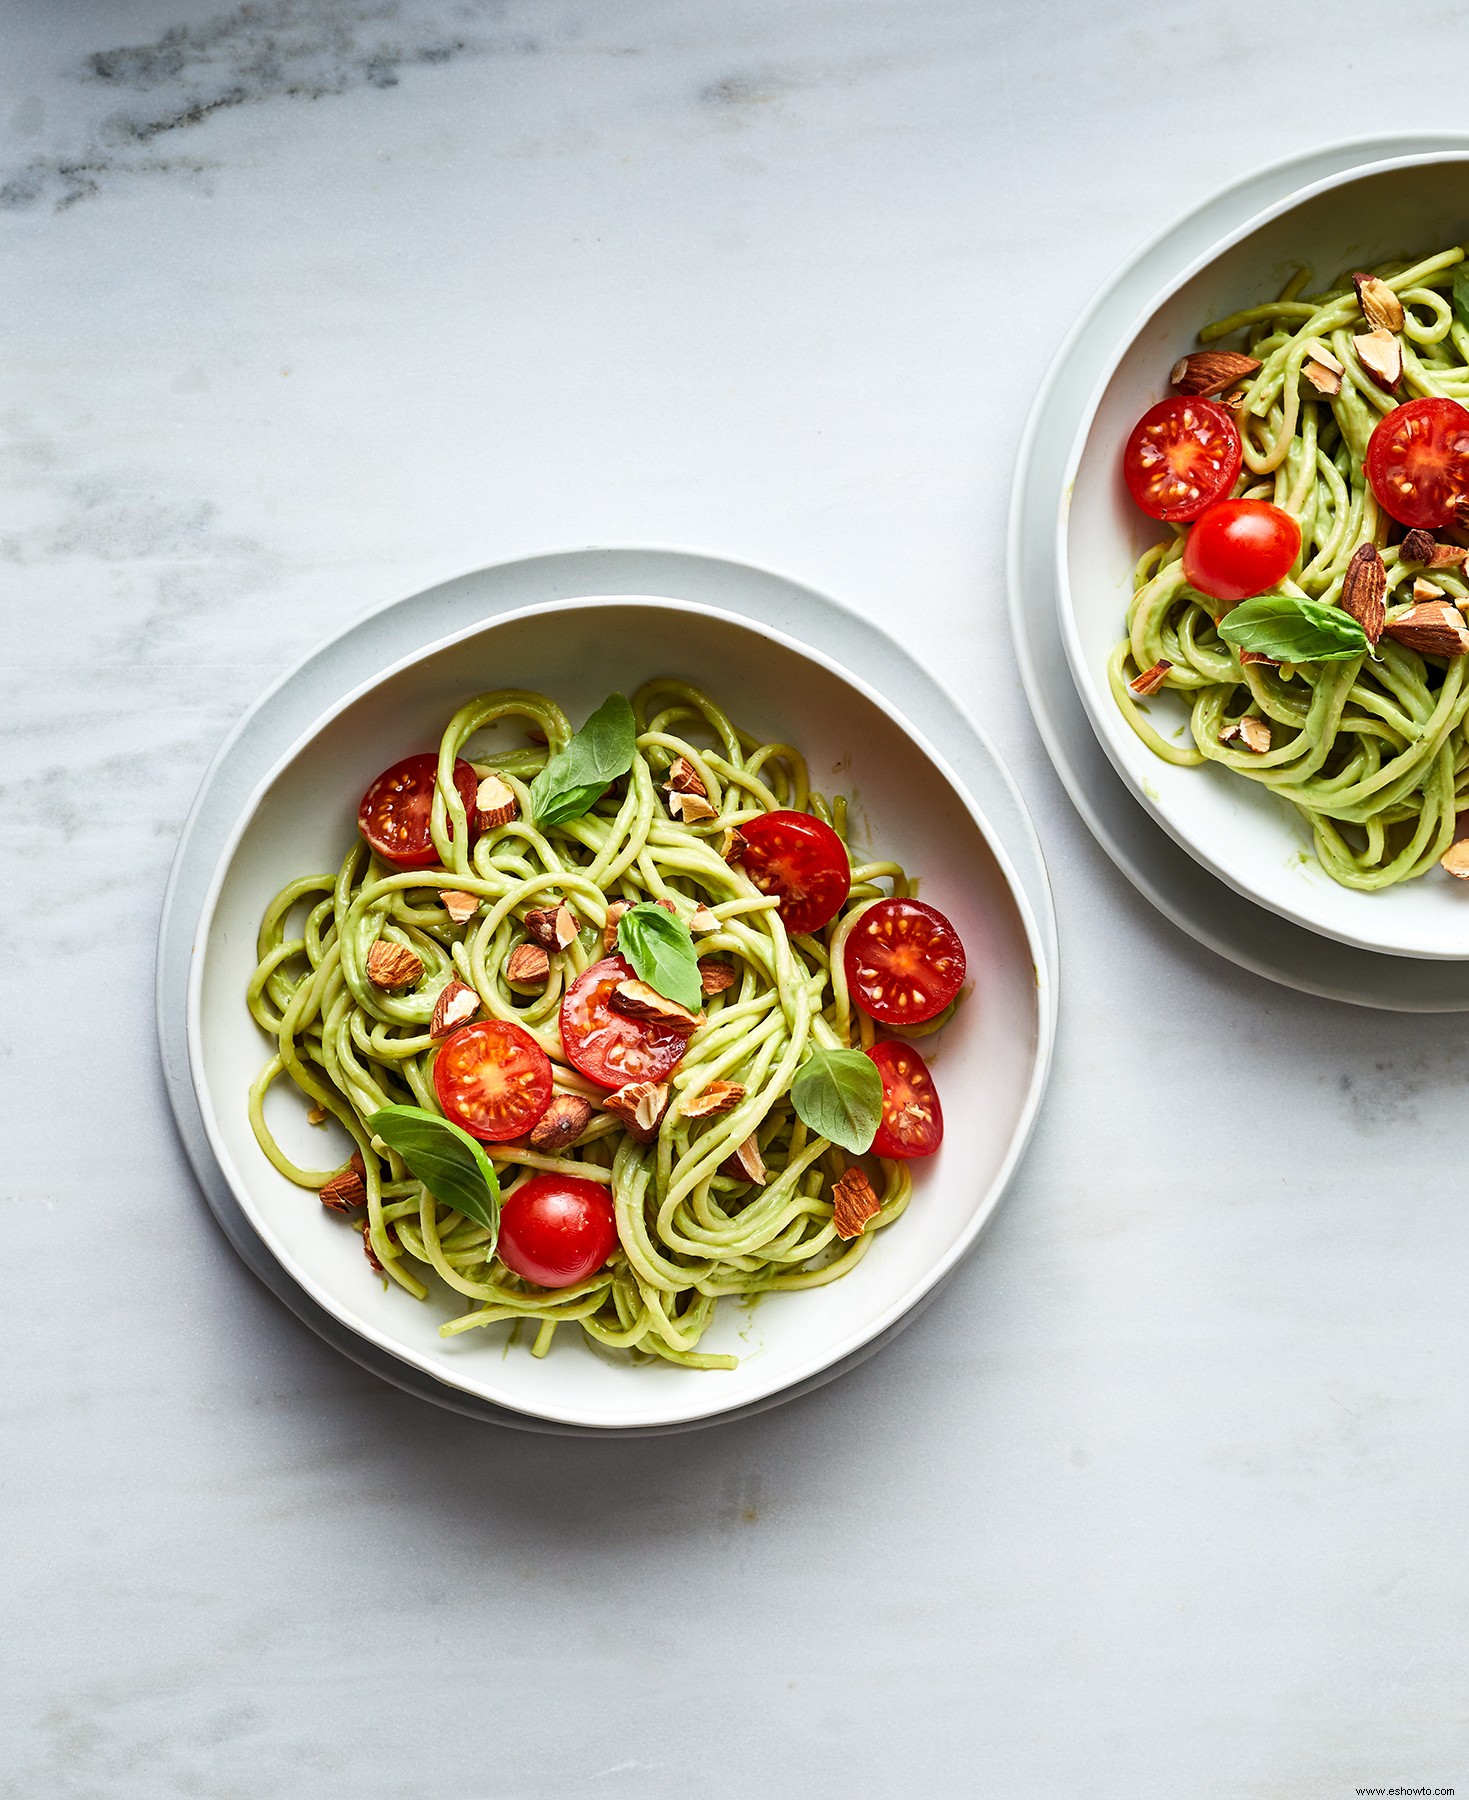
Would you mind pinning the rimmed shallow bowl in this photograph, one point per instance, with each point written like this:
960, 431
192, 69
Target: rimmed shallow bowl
1245, 835
990, 1062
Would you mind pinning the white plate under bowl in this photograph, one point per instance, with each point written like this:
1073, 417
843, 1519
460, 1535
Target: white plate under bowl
1247, 836
907, 799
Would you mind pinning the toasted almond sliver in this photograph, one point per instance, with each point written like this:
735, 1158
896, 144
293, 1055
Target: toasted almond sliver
495, 803
1456, 859
853, 1204
700, 920
316, 1116
1325, 381
459, 906
1151, 679
719, 1097
641, 1106
684, 778
746, 1164
1426, 590
391, 965
1327, 359
1381, 355
1254, 734
1380, 306
637, 1000
691, 808
456, 1005
347, 1188
733, 845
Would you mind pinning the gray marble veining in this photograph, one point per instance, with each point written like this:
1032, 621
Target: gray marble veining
311, 304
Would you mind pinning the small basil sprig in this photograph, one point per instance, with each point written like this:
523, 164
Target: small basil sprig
1290, 630
662, 953
1461, 293
573, 782
448, 1161
838, 1095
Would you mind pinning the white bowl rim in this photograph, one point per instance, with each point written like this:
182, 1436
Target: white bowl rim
818, 1360
1108, 724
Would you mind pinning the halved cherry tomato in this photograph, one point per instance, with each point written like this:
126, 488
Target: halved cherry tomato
801, 859
904, 961
557, 1230
1239, 548
1183, 455
1418, 462
395, 810
912, 1119
606, 1046
492, 1078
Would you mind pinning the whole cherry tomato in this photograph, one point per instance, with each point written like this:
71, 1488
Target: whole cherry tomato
1418, 463
557, 1230
1240, 548
904, 961
1183, 455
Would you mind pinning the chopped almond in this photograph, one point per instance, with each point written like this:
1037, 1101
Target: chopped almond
701, 920
715, 974
1380, 306
459, 906
391, 965
1255, 733
719, 1097
1435, 629
1363, 590
527, 966
615, 910
1426, 590
1151, 679
733, 846
1456, 859
1248, 658
1420, 546
636, 1000
552, 927
562, 1123
347, 1188
456, 1005
367, 1249
746, 1163
684, 778
1211, 371
1323, 378
853, 1204
1318, 353
641, 1106
1381, 355
691, 808
495, 803
316, 1116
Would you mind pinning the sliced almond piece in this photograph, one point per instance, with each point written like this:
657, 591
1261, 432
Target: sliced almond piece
733, 845
853, 1204
495, 803
391, 965
1248, 658
1426, 590
701, 920
367, 1249
634, 999
317, 1115
456, 1005
347, 1188
1325, 380
641, 1106
1211, 371
459, 906
615, 910
1327, 359
1254, 734
684, 778
746, 1164
1435, 629
552, 927
1456, 859
1363, 590
1151, 679
562, 1123
1381, 355
715, 974
691, 808
528, 965
718, 1097
1380, 306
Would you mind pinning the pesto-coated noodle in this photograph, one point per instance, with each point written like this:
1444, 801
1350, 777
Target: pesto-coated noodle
1374, 752
688, 1231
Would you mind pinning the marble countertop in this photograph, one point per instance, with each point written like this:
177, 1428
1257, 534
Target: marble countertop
311, 303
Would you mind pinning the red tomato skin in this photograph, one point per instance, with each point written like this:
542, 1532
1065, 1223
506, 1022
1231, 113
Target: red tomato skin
801, 857
557, 1230
906, 1082
494, 1044
1194, 439
401, 799
1240, 548
1426, 443
878, 953
606, 1047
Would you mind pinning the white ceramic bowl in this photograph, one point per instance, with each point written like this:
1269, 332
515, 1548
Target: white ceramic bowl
990, 1063
1257, 843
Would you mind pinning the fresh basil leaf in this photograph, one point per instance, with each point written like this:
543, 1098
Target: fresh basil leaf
573, 782
838, 1094
448, 1161
662, 953
1292, 630
1461, 293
